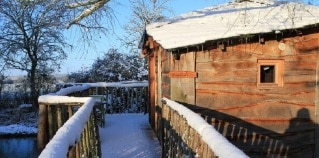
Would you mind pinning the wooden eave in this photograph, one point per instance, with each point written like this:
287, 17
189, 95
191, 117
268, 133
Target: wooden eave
249, 38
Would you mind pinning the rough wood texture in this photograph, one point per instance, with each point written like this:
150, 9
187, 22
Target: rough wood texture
227, 83
42, 137
179, 139
182, 74
273, 121
166, 81
183, 89
152, 87
53, 116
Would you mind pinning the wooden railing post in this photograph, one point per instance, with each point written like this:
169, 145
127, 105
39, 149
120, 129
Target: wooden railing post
51, 121
53, 116
42, 138
182, 137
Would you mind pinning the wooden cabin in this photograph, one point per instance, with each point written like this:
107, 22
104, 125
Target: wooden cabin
250, 68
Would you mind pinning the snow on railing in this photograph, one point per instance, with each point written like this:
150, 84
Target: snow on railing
219, 145
64, 118
70, 132
83, 86
65, 133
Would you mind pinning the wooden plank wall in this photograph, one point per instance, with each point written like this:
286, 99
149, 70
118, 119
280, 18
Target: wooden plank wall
227, 83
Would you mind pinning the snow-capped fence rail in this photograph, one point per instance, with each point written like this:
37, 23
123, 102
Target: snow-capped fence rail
119, 97
68, 118
186, 133
71, 124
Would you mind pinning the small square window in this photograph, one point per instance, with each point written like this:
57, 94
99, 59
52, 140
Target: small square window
267, 74
270, 73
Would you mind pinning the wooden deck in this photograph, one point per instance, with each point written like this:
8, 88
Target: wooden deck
129, 135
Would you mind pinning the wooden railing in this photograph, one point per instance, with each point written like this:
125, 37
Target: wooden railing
185, 133
71, 126
68, 120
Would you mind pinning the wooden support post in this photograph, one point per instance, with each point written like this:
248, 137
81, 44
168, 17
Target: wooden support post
72, 152
316, 146
50, 121
42, 137
78, 150
59, 116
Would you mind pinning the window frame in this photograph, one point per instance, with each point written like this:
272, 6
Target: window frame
279, 72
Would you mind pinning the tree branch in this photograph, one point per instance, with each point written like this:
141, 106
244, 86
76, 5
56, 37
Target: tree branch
81, 4
97, 5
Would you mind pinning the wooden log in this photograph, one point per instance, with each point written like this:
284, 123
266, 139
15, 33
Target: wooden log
51, 121
82, 145
71, 153
42, 137
59, 116
97, 142
78, 149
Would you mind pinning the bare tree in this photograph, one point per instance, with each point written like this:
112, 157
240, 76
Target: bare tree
143, 12
31, 37
31, 33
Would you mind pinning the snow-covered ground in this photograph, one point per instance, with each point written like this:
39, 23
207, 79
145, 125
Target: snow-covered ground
17, 129
129, 136
16, 122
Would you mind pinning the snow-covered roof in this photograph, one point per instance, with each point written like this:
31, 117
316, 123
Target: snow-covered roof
232, 20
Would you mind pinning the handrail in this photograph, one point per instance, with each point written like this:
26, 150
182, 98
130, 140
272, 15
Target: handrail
71, 131
56, 117
187, 133
69, 123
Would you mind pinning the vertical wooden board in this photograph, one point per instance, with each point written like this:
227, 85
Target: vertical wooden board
165, 70
186, 62
42, 137
152, 88
159, 83
165, 61
316, 150
183, 89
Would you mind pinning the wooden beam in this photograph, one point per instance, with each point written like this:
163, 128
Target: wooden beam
150, 42
316, 150
182, 74
42, 127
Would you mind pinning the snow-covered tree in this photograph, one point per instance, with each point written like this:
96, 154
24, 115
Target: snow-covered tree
31, 33
116, 66
113, 67
31, 37
81, 76
143, 12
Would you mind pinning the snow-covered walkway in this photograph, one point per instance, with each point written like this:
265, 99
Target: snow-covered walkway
128, 136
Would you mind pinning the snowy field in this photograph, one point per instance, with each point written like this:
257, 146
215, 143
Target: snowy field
129, 136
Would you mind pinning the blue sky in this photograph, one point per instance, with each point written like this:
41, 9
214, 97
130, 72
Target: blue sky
83, 59
79, 59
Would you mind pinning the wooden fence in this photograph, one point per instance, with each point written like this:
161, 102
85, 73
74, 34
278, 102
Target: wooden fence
182, 134
53, 116
126, 99
56, 111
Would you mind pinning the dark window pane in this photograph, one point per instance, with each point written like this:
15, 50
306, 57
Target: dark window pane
267, 74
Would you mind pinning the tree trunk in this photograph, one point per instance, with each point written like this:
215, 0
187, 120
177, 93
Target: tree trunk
33, 87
